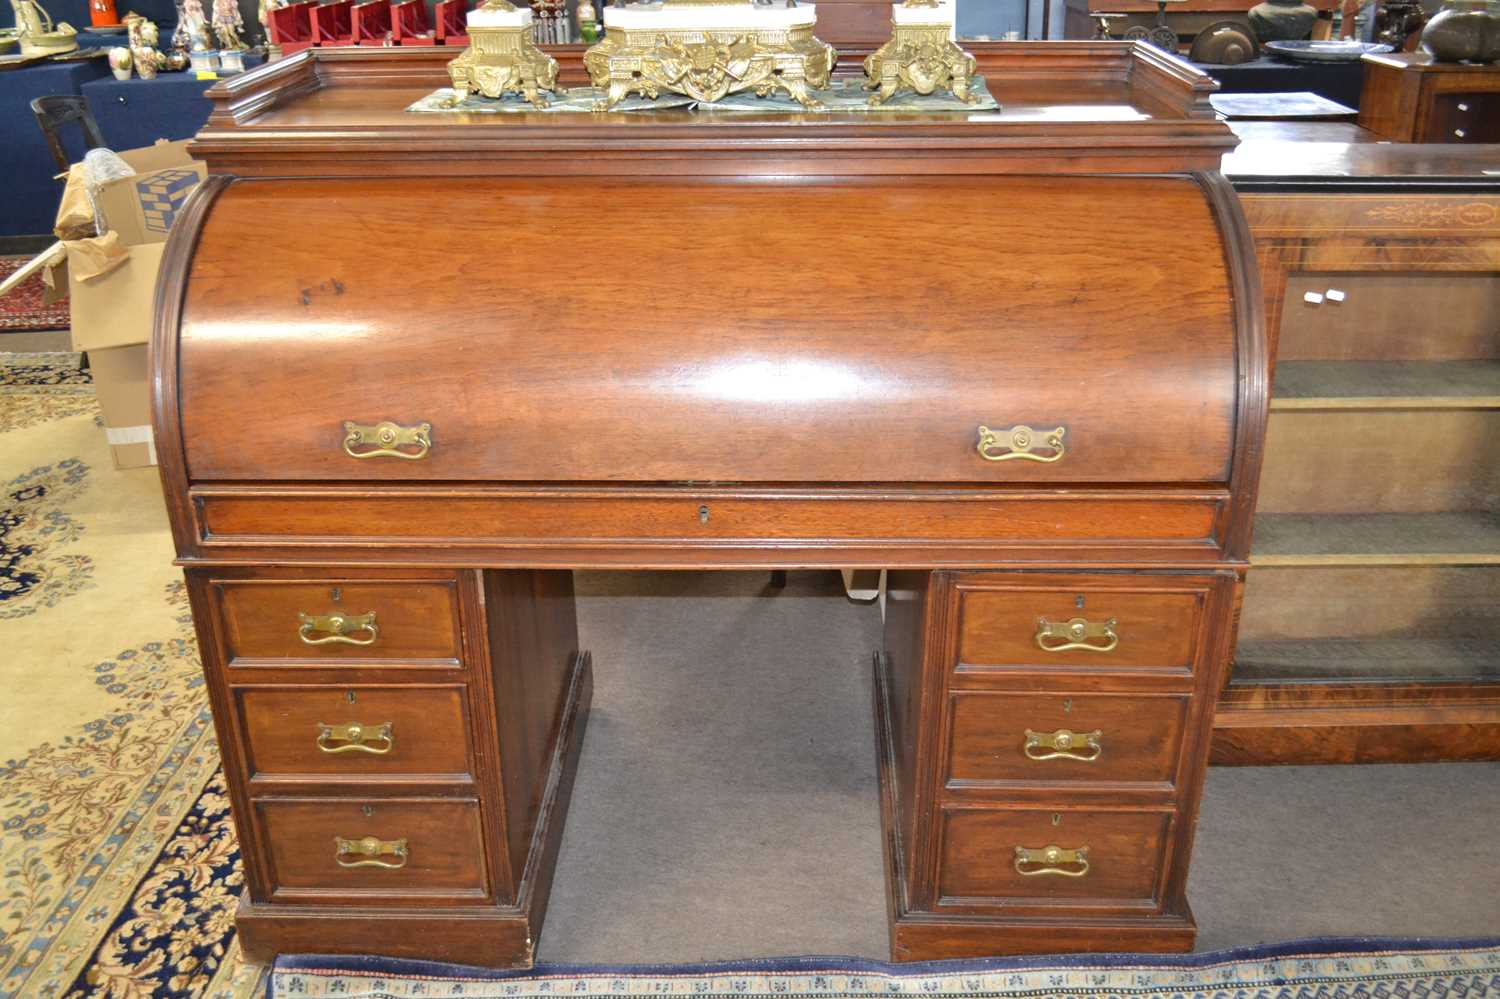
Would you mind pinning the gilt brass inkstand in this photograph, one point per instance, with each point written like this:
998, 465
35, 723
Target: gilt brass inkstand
921, 55
501, 58
705, 49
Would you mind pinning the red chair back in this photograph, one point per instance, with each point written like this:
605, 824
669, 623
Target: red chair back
452, 23
409, 24
372, 22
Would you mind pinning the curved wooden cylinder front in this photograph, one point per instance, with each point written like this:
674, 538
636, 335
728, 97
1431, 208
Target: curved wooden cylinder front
755, 332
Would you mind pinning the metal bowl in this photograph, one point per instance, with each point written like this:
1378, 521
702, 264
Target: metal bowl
1224, 43
1329, 51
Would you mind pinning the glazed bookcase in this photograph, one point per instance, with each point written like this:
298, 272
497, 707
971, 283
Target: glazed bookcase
1372, 608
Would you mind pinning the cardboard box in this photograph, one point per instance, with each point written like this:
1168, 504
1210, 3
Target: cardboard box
112, 283
112, 315
141, 208
122, 383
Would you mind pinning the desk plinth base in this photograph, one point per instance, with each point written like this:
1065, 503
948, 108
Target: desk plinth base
498, 936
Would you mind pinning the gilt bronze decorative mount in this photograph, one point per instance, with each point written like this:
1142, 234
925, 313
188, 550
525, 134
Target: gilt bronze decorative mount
921, 55
706, 50
501, 58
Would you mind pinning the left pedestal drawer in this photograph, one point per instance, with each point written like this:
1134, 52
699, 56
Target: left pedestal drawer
267, 621
354, 732
397, 851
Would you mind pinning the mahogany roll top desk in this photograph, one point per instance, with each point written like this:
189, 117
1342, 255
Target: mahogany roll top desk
412, 369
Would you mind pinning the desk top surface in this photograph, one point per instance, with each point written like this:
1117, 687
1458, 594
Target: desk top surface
1080, 107
1285, 152
1066, 107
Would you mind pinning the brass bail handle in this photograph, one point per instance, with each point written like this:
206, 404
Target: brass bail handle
354, 737
1077, 634
1064, 745
337, 628
370, 852
1052, 860
387, 440
1021, 442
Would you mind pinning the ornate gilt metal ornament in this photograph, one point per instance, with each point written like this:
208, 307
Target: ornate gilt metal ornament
1064, 745
1077, 634
1053, 860
1021, 442
501, 58
705, 49
921, 55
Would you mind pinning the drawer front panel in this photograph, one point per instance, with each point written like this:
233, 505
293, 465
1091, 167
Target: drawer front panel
293, 619
1122, 862
672, 518
1005, 737
1369, 317
355, 732
1021, 626
719, 379
429, 848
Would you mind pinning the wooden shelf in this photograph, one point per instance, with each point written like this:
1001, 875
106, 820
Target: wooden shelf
1375, 539
1387, 385
1402, 660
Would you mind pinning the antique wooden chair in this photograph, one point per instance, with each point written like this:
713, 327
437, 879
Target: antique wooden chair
53, 112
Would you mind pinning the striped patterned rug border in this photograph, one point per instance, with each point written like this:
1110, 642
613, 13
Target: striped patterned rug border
1325, 968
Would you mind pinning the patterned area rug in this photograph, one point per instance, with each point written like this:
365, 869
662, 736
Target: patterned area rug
22, 308
1311, 969
119, 861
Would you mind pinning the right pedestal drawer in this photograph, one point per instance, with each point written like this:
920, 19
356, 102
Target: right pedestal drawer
1017, 857
1095, 622
999, 738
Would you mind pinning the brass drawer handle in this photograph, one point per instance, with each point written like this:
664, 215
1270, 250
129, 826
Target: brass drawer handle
370, 850
1064, 744
1076, 634
1021, 442
337, 628
387, 440
354, 737
1052, 860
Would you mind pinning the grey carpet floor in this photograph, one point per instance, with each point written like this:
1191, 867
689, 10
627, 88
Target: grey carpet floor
726, 802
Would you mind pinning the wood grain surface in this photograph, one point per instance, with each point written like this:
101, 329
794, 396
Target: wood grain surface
716, 376
1140, 737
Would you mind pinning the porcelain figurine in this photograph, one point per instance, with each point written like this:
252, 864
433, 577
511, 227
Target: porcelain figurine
142, 36
192, 33
227, 25
120, 62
